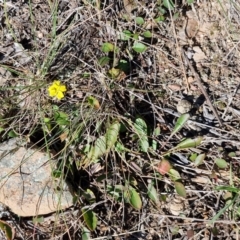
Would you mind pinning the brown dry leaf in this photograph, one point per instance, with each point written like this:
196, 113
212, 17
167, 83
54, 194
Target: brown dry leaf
201, 180
174, 87
129, 5
63, 136
192, 25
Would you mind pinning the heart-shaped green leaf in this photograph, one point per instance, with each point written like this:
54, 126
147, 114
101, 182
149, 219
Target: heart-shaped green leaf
147, 34
107, 47
139, 20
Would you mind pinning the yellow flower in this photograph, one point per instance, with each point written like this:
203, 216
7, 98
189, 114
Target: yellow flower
57, 90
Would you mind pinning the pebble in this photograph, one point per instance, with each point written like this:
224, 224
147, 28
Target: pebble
184, 106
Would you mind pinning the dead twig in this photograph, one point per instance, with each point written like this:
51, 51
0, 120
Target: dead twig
202, 88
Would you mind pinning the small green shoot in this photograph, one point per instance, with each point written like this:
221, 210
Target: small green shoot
141, 130
156, 133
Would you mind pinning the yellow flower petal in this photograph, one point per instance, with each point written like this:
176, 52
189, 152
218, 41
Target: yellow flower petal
62, 88
57, 90
59, 95
56, 82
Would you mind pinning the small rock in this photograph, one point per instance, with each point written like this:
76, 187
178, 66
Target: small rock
184, 106
26, 184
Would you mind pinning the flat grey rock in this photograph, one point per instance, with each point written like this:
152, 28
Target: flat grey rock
26, 184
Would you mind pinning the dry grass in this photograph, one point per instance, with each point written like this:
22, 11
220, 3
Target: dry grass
44, 41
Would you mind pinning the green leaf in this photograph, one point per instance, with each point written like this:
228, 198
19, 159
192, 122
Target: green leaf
228, 188
147, 34
86, 74
89, 196
193, 156
125, 35
221, 163
38, 219
98, 150
123, 65
139, 47
152, 193
112, 134
7, 229
139, 20
132, 196
161, 18
180, 189
156, 133
190, 143
190, 1
141, 129
180, 123
12, 134
120, 148
114, 73
56, 173
86, 234
174, 174
61, 118
107, 47
199, 159
93, 102
231, 154
135, 36
168, 4
90, 218
104, 61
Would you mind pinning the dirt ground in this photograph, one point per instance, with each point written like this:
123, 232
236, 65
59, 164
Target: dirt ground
192, 53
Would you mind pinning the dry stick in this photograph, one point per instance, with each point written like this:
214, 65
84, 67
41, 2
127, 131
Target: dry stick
202, 88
